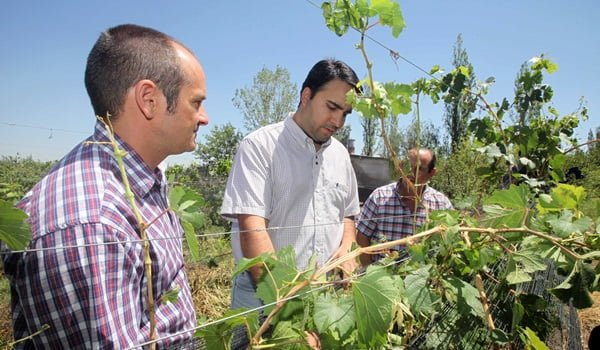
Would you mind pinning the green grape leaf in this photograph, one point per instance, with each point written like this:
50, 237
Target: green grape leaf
515, 273
334, 315
563, 196
374, 296
245, 263
191, 239
577, 286
170, 296
563, 226
277, 279
187, 204
400, 97
14, 230
218, 336
506, 207
284, 332
465, 296
518, 312
420, 298
389, 15
531, 340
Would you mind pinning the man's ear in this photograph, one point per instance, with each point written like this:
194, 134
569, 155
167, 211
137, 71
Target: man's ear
432, 172
146, 97
305, 96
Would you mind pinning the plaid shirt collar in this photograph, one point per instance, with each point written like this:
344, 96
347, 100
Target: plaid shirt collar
141, 178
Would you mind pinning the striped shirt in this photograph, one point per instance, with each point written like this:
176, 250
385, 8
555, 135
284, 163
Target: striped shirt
384, 217
305, 194
83, 275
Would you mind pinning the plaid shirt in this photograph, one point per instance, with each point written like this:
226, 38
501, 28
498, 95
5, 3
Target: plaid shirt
93, 296
384, 218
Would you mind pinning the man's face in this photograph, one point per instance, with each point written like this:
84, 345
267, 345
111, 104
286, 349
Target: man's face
327, 110
419, 164
180, 127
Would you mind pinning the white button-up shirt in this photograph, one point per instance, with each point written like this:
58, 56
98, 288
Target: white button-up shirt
305, 194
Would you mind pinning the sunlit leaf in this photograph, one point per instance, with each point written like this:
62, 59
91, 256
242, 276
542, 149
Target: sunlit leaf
218, 335
563, 226
374, 296
507, 207
334, 315
389, 15
420, 298
563, 196
531, 340
191, 239
14, 230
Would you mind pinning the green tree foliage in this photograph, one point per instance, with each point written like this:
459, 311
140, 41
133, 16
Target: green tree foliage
270, 98
459, 108
583, 169
210, 187
530, 91
423, 135
18, 175
343, 134
395, 135
370, 128
218, 149
457, 178
532, 149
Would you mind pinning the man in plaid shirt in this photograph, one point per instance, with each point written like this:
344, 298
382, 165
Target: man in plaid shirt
394, 211
82, 282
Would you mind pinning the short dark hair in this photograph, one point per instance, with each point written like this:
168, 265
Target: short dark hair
327, 70
124, 55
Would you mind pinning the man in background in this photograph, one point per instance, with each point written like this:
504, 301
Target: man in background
394, 211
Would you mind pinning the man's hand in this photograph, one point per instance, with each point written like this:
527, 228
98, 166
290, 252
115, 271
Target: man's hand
349, 266
348, 239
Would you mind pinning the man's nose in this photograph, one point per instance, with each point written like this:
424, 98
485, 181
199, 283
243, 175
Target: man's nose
338, 119
203, 117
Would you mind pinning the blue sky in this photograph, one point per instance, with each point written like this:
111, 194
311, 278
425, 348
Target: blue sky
46, 43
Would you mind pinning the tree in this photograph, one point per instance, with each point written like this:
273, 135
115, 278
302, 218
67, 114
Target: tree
18, 175
463, 104
269, 99
343, 135
421, 134
394, 135
217, 152
369, 126
530, 91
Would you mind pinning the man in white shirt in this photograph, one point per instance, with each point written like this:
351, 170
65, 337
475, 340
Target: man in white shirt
293, 184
